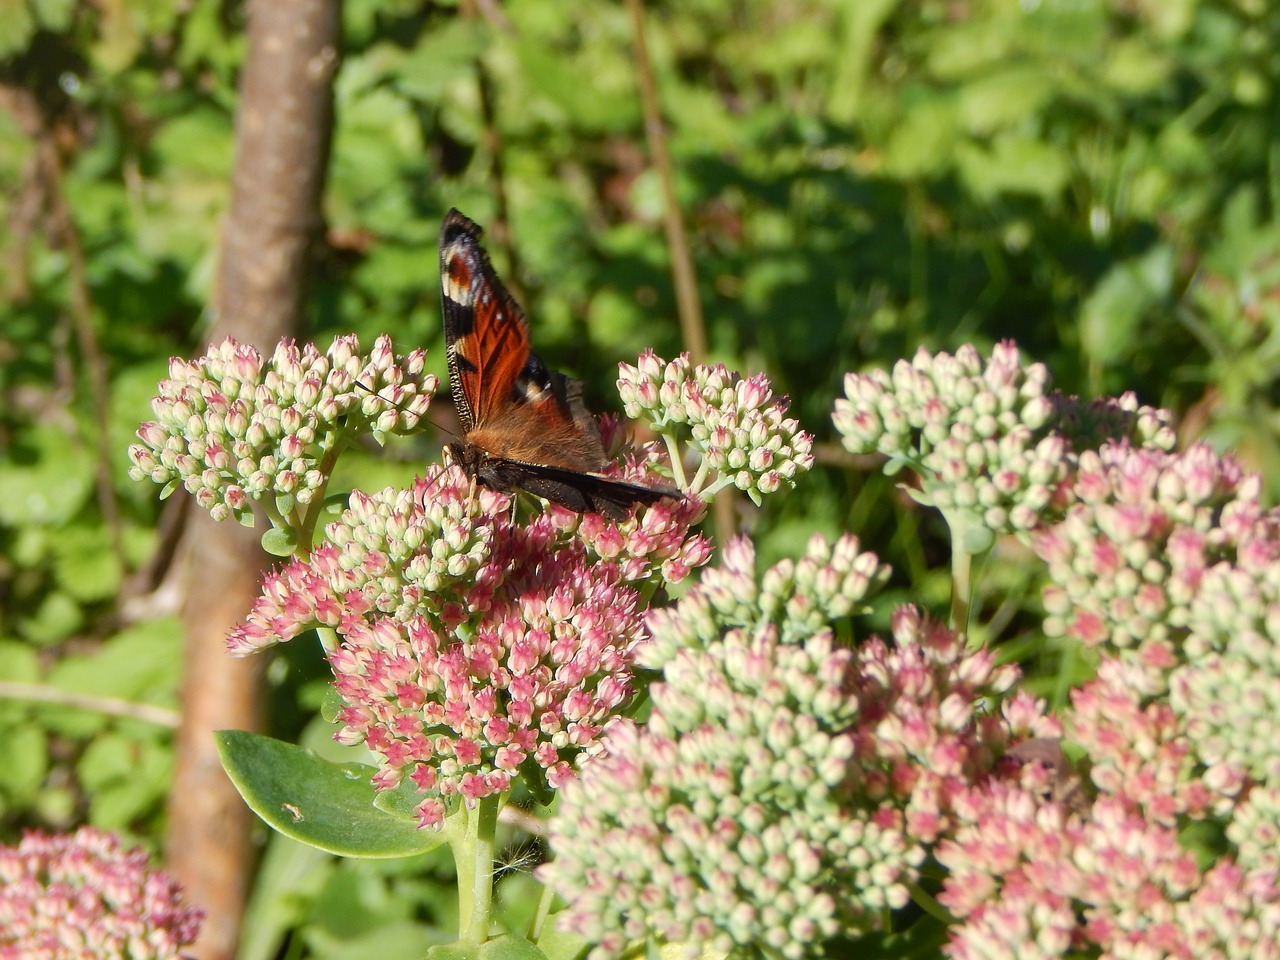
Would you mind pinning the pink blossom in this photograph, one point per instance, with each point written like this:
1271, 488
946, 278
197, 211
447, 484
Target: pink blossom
83, 896
508, 642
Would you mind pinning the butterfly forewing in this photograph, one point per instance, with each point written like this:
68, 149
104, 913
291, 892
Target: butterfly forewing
487, 336
524, 424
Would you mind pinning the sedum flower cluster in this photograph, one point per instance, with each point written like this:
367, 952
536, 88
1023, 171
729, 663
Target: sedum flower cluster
82, 896
473, 648
1032, 880
232, 428
1229, 687
1166, 563
786, 787
651, 545
1127, 561
1031, 873
737, 426
1254, 830
988, 439
794, 784
1138, 747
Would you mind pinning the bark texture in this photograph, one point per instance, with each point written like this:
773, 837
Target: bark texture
282, 149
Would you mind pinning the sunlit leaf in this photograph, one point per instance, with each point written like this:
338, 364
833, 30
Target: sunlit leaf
326, 805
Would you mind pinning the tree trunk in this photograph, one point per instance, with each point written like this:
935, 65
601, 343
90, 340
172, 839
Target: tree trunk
282, 150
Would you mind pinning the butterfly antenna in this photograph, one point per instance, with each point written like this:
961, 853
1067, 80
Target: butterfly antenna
439, 476
401, 406
373, 392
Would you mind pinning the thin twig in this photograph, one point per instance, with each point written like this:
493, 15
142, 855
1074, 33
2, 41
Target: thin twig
63, 224
24, 216
499, 229
490, 10
693, 331
62, 232
110, 706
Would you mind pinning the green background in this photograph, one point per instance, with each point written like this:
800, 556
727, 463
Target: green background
1096, 180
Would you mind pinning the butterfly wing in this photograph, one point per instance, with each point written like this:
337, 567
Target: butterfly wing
510, 404
589, 492
574, 489
486, 335
524, 424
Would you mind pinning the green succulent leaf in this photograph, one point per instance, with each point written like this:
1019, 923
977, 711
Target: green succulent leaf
323, 804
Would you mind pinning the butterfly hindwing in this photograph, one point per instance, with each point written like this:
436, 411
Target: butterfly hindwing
583, 492
524, 424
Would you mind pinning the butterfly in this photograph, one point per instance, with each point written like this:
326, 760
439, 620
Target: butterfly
524, 426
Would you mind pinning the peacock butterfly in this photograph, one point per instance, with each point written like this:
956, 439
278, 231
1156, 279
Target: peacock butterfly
523, 424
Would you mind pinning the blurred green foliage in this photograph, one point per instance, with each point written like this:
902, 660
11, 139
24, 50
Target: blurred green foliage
1096, 179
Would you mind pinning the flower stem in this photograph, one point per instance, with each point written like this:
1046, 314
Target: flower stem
473, 856
306, 526
677, 463
539, 919
970, 540
961, 585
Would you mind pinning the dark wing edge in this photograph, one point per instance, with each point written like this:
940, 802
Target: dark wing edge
581, 492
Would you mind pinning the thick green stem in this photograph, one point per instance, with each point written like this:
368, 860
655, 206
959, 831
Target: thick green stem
961, 587
971, 540
539, 919
310, 516
677, 461
473, 855
277, 519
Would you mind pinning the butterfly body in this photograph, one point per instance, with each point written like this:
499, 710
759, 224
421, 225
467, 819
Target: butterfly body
524, 425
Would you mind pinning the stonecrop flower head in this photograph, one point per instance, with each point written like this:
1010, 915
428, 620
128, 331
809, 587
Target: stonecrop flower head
1127, 560
82, 896
736, 425
1103, 870
232, 428
1228, 690
1255, 830
786, 787
797, 597
1030, 877
1138, 749
989, 441
652, 546
397, 553
472, 648
1168, 561
1231, 713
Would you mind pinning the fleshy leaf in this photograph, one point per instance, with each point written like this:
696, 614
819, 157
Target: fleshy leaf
285, 502
280, 541
323, 804
510, 947
559, 945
